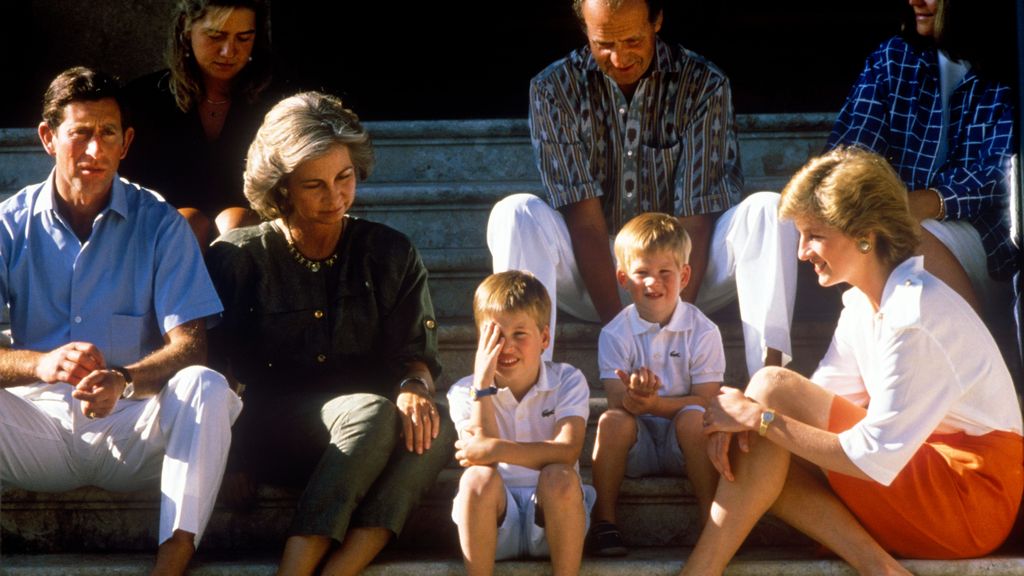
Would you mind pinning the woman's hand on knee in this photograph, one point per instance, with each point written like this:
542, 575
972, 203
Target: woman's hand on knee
421, 422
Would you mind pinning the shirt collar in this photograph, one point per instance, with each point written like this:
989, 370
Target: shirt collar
907, 270
677, 323
118, 197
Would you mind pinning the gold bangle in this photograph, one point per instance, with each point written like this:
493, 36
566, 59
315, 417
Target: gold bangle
942, 205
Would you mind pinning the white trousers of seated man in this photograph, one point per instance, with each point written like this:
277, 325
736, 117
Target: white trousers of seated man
180, 436
752, 259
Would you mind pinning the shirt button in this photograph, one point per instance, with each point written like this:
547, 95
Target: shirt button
78, 319
622, 110
629, 153
321, 358
908, 283
657, 356
629, 194
430, 324
318, 314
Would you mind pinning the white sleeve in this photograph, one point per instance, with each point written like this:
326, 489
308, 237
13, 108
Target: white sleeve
916, 386
460, 405
613, 353
573, 394
707, 358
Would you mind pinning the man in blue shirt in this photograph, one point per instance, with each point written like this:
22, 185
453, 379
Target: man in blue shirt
108, 296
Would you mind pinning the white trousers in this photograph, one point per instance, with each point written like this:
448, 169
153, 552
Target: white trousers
963, 240
180, 436
753, 259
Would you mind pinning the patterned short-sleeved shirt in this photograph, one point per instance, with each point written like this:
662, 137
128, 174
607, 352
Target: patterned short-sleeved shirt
895, 109
672, 148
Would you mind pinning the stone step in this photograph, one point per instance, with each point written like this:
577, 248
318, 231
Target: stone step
751, 561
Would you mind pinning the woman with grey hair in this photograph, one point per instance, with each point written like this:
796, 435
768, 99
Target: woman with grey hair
906, 441
329, 327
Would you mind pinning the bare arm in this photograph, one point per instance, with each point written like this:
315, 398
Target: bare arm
589, 233
925, 203
699, 228
565, 448
184, 345
734, 412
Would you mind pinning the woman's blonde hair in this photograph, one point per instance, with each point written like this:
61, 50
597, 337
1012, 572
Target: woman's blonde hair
856, 192
297, 129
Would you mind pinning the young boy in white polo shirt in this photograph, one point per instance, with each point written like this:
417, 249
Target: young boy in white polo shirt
660, 361
521, 424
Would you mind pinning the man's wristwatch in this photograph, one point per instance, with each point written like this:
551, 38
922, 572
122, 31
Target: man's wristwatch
476, 394
767, 417
129, 386
411, 380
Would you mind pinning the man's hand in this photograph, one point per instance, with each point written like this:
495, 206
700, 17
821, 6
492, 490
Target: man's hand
70, 363
99, 392
641, 390
474, 449
487, 352
421, 421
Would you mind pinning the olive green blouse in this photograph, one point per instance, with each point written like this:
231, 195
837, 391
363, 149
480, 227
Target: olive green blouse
350, 326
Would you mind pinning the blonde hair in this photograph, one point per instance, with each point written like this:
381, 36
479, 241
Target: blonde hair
856, 192
297, 129
512, 292
648, 233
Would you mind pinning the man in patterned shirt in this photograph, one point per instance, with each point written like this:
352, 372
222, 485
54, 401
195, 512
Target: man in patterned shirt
630, 124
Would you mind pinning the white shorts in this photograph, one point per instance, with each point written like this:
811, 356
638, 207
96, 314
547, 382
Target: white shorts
519, 535
657, 451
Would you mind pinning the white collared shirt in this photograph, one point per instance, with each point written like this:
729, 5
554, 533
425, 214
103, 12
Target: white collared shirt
923, 361
561, 392
686, 351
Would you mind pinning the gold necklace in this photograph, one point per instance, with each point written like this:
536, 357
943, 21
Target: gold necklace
312, 265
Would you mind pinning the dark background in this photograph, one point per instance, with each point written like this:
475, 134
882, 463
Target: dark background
458, 59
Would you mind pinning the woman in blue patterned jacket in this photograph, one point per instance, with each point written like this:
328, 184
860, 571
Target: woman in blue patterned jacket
931, 102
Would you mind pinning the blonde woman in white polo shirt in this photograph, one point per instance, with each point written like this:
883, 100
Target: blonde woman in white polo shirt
911, 415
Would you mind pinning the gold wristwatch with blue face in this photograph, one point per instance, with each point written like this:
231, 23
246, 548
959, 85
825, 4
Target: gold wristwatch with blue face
767, 417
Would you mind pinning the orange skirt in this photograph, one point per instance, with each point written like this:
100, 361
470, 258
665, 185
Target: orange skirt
957, 497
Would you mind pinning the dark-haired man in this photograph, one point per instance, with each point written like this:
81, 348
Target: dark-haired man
108, 297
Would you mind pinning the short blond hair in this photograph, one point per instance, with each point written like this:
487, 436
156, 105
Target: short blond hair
513, 291
650, 233
856, 192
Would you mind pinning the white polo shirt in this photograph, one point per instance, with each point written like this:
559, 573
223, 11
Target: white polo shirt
561, 392
923, 361
687, 350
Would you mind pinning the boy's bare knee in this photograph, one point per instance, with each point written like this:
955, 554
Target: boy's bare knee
689, 423
481, 483
616, 425
558, 481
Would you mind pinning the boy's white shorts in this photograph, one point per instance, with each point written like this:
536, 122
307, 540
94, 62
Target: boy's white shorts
519, 535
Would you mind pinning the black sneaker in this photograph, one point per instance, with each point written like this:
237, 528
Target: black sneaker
606, 540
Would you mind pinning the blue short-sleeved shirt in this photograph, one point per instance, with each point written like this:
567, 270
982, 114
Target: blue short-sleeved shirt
138, 275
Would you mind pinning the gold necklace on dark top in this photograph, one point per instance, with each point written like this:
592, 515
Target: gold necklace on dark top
312, 265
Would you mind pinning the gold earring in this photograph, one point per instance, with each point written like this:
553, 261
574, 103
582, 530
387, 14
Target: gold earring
864, 246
